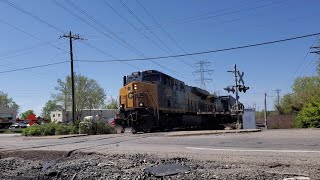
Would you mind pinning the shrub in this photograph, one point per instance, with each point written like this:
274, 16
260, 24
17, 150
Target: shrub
32, 131
94, 127
61, 129
86, 127
309, 116
48, 129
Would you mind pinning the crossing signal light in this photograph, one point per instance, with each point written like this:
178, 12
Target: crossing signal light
230, 88
243, 88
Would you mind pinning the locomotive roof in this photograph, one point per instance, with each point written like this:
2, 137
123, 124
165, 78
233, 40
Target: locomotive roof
158, 72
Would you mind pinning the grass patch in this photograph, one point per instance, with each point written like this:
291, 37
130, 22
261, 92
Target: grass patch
13, 131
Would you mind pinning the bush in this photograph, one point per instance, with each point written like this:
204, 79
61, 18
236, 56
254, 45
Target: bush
87, 127
94, 127
309, 116
49, 129
32, 131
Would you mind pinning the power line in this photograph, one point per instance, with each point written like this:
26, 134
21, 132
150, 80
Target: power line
164, 31
116, 38
41, 21
33, 36
292, 77
153, 33
207, 52
32, 15
91, 25
205, 15
133, 26
33, 67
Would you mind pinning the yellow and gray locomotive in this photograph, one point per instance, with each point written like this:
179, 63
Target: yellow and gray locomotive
151, 100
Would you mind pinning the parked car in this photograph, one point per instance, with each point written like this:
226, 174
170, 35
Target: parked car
19, 125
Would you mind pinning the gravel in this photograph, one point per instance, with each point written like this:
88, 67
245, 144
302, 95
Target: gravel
80, 165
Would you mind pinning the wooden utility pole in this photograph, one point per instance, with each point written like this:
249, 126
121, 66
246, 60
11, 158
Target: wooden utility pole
75, 37
278, 97
265, 110
237, 96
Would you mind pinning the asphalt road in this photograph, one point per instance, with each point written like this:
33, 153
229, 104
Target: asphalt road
295, 151
275, 143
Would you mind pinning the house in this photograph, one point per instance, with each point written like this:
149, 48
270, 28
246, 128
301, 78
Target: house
7, 116
66, 116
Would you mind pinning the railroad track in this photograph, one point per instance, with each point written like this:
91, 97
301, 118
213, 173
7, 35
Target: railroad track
127, 136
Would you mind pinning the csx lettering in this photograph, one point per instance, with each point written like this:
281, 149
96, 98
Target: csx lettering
131, 95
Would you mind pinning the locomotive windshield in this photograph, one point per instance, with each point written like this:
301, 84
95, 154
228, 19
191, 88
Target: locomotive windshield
134, 77
151, 77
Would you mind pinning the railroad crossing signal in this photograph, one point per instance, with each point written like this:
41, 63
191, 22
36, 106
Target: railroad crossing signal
241, 77
230, 88
243, 88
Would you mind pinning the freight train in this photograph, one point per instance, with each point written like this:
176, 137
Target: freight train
151, 100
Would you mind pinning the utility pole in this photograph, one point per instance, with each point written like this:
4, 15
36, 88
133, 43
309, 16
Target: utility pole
317, 51
237, 96
278, 96
71, 37
202, 70
265, 111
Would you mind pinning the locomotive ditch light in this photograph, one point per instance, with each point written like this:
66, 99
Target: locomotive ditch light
141, 104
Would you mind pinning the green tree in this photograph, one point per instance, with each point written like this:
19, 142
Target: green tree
88, 93
26, 114
112, 104
309, 116
305, 90
50, 106
6, 101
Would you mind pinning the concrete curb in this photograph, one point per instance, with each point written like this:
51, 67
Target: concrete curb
55, 137
208, 132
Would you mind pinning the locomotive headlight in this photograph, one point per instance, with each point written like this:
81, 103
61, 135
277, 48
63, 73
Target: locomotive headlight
141, 104
135, 87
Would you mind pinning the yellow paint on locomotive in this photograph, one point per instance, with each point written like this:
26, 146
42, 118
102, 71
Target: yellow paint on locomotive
139, 94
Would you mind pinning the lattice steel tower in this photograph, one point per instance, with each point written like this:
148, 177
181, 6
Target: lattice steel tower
203, 70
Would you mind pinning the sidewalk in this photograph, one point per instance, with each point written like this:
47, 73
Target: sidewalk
208, 132
54, 137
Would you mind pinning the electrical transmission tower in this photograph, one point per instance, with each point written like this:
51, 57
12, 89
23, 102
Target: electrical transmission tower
203, 69
317, 51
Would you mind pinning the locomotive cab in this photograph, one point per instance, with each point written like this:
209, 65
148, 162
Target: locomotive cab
139, 100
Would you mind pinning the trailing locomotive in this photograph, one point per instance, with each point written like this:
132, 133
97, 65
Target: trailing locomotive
152, 100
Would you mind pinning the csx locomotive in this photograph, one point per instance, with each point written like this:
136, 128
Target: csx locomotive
151, 100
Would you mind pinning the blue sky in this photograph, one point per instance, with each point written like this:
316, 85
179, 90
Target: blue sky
193, 25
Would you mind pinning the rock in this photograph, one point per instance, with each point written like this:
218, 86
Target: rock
52, 173
167, 169
297, 178
109, 163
